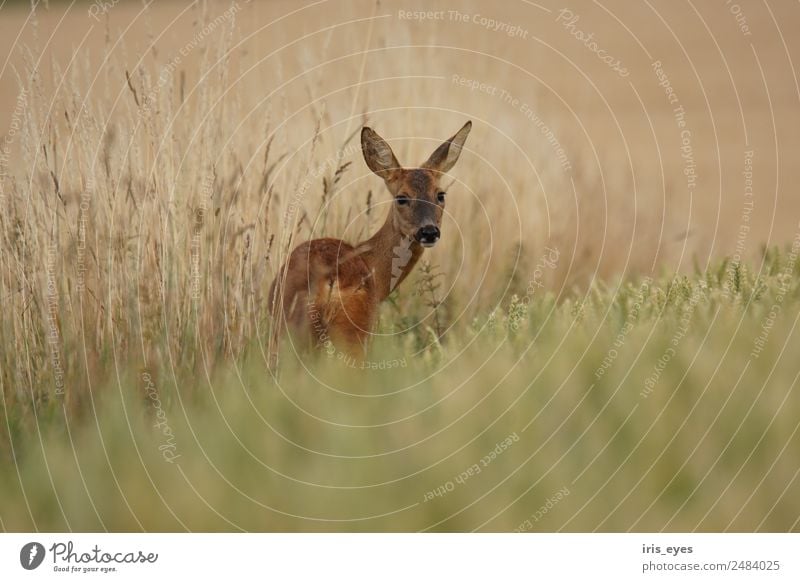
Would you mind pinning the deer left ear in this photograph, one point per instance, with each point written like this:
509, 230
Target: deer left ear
377, 153
446, 155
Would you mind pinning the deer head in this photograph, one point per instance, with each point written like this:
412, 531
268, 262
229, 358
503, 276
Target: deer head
418, 198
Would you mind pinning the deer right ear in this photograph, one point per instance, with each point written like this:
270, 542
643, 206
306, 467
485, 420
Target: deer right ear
377, 153
446, 155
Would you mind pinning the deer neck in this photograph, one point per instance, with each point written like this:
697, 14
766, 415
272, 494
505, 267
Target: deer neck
390, 255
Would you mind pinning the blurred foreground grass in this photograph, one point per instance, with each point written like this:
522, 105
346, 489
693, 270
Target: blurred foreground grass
669, 404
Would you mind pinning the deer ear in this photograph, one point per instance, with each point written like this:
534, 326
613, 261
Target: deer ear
446, 155
377, 153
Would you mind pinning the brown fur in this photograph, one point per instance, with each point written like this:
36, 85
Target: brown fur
328, 292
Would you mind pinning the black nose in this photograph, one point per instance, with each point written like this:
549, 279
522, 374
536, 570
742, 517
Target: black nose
428, 234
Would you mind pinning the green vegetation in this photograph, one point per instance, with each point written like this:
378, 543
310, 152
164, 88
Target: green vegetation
666, 404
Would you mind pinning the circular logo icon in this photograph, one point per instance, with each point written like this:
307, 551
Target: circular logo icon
31, 555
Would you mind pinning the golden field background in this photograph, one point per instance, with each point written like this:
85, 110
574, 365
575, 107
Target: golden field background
161, 160
740, 93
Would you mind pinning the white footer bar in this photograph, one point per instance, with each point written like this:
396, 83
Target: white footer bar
401, 557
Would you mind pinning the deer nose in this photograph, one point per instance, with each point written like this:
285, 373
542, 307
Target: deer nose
428, 235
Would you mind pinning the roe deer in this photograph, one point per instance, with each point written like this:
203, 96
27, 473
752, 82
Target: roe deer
328, 291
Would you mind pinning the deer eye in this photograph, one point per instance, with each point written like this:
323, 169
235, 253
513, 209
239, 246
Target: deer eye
402, 200
440, 197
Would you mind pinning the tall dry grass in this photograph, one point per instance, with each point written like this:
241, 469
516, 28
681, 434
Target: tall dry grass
155, 194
